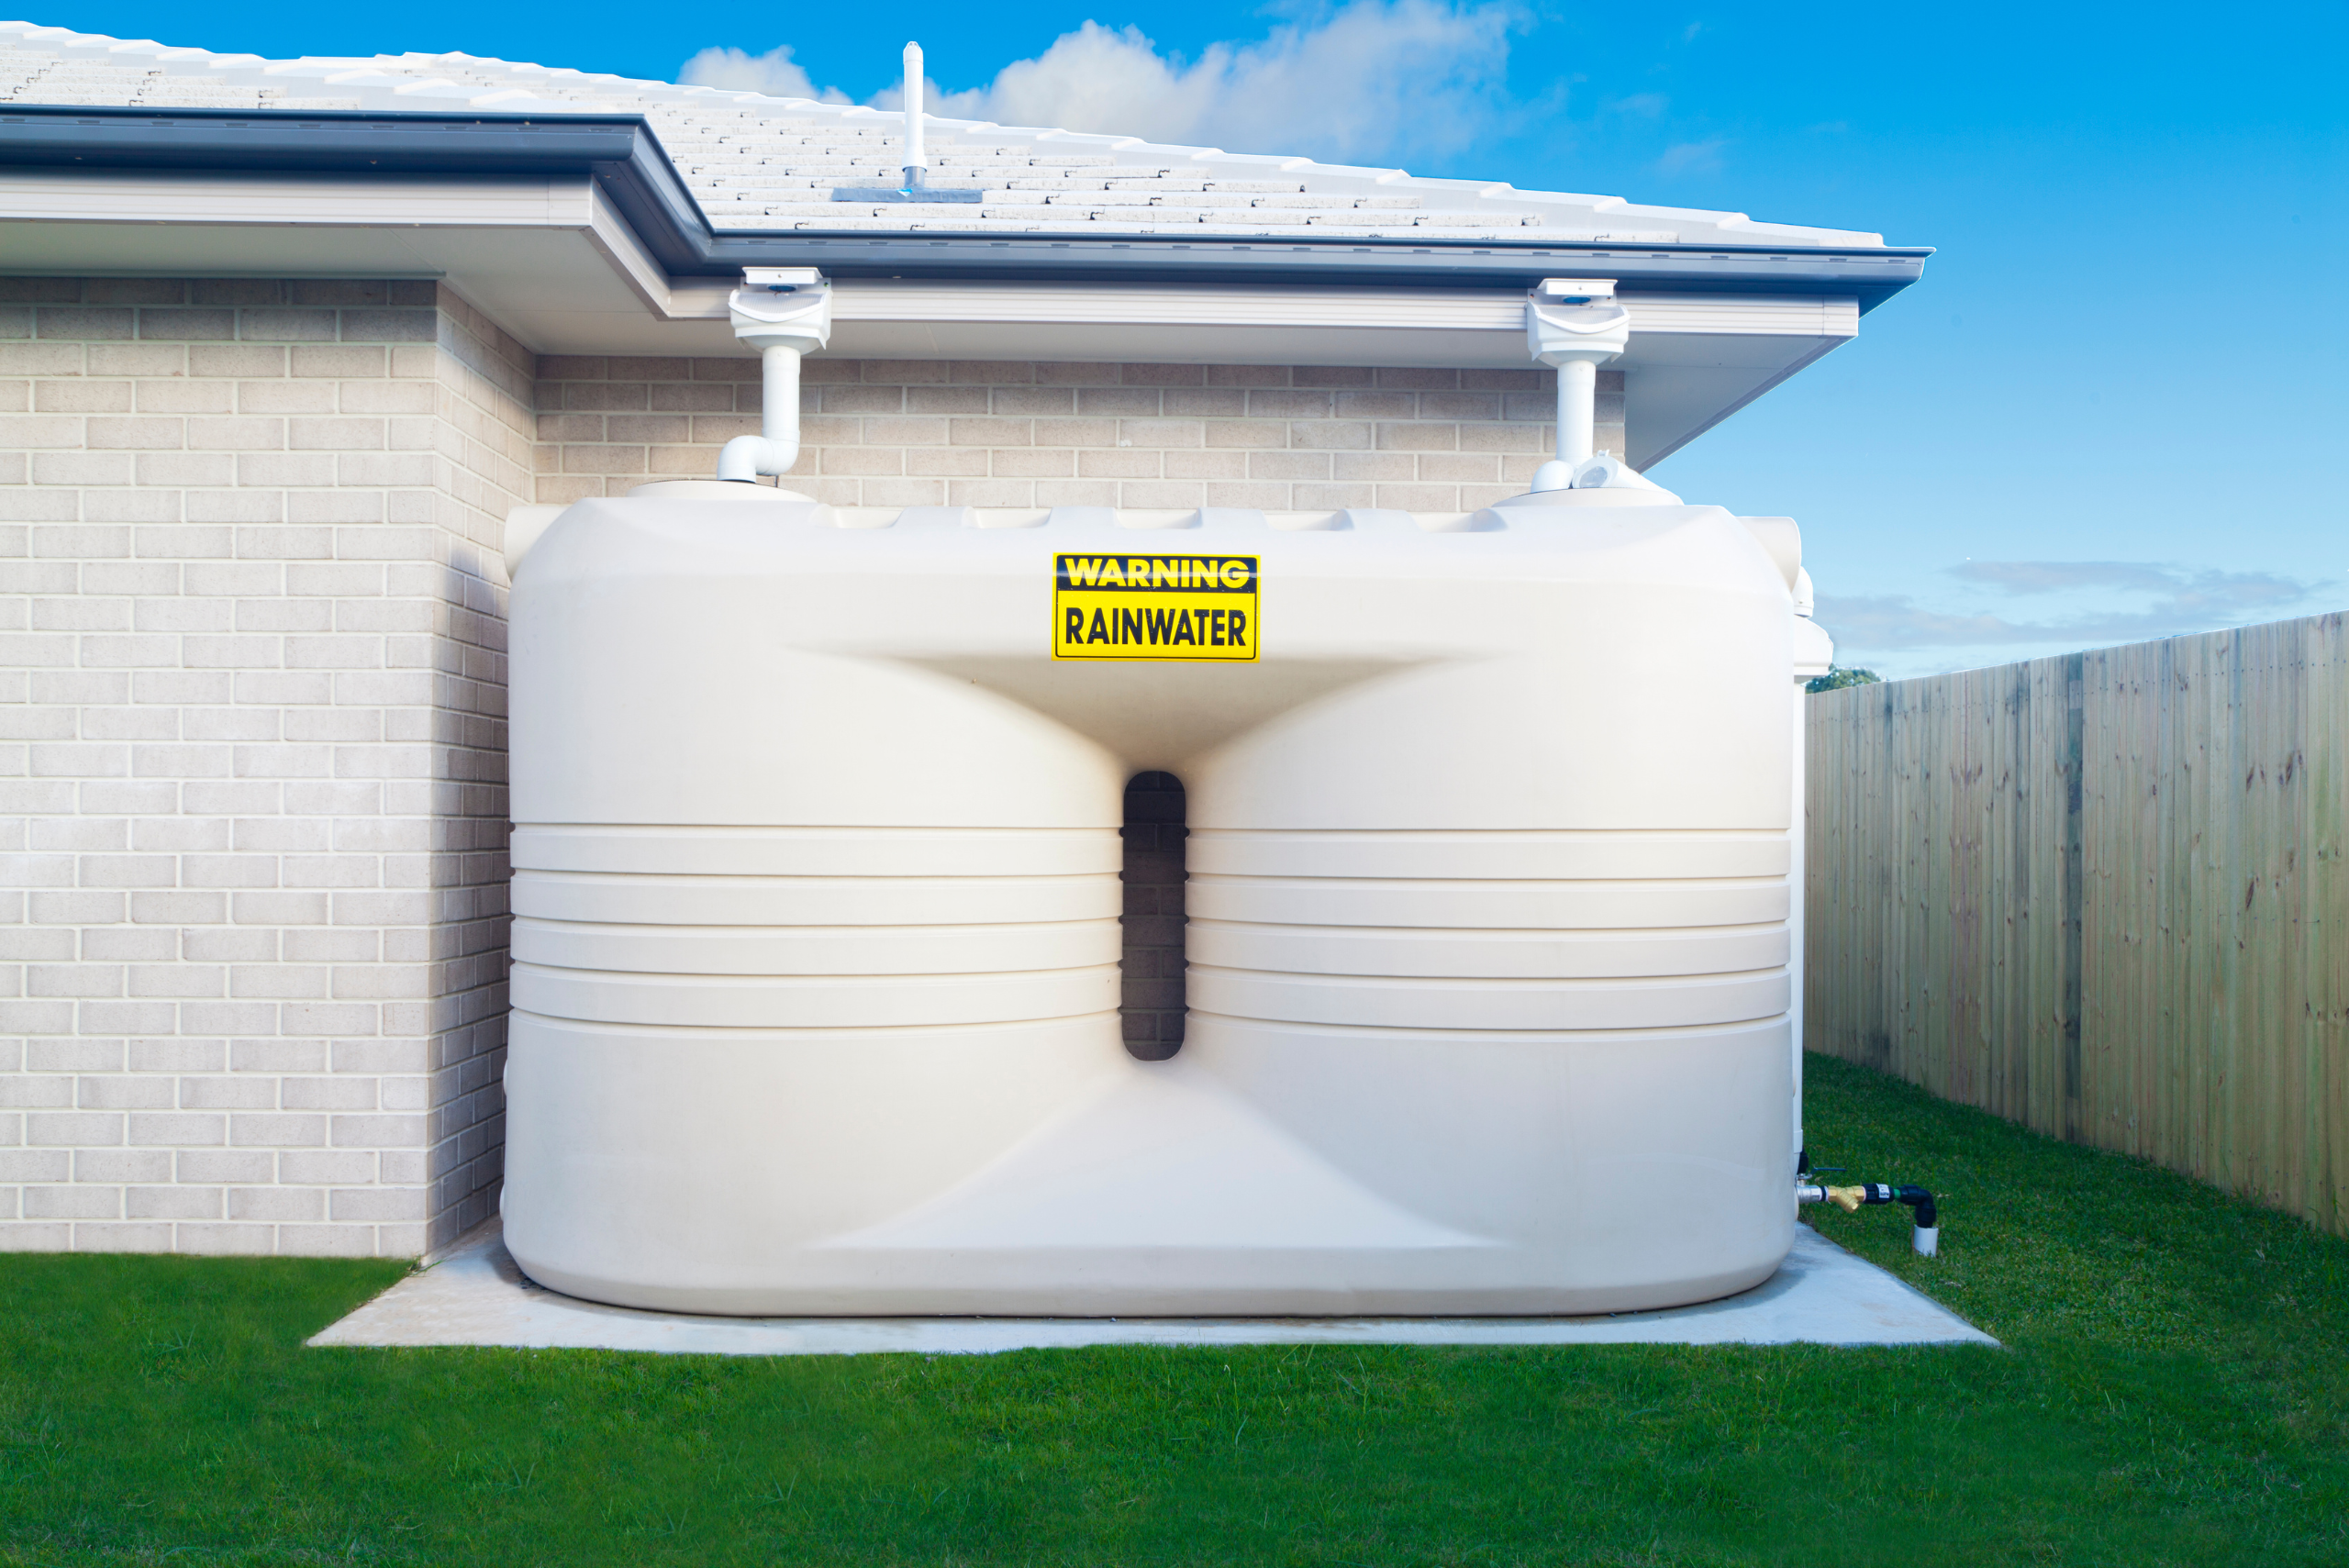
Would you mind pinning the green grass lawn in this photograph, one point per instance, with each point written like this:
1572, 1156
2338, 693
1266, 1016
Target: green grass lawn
2175, 1390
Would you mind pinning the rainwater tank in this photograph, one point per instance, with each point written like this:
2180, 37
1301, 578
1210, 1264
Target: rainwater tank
817, 944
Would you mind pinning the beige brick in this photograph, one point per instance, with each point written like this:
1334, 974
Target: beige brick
339, 292
284, 396
1287, 465
237, 434
139, 361
648, 428
943, 463
1264, 498
1207, 465
1222, 403
1117, 401
991, 432
80, 396
286, 325
1422, 498
1522, 380
1014, 401
178, 395
82, 468
350, 361
1416, 436
1284, 403
1032, 462
1506, 437
336, 435
1476, 406
42, 359
1078, 433
1378, 405
149, 434
946, 400
83, 324
42, 431
274, 1204
1332, 497
231, 361
314, 651
135, 291
1464, 468
1249, 435
1331, 435
174, 1202
187, 326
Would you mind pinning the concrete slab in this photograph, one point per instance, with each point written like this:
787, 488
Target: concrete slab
475, 1296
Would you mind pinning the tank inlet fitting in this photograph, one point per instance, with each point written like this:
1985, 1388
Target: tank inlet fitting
1927, 1236
1575, 325
782, 312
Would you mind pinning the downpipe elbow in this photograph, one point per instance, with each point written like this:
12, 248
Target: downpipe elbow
745, 458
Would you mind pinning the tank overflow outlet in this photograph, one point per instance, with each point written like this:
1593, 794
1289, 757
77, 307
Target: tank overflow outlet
1575, 325
782, 312
1927, 1236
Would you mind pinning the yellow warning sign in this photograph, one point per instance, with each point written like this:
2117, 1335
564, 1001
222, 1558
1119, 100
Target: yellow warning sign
1155, 607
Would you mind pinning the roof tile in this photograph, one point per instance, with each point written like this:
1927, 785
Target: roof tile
757, 161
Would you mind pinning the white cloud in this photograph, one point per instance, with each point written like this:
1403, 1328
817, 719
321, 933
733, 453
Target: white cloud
1643, 106
1693, 157
2181, 602
1376, 79
774, 72
1379, 78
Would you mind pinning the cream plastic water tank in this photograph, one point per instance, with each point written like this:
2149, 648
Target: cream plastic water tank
817, 946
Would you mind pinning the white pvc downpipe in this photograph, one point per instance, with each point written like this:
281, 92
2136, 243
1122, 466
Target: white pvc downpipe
775, 449
916, 169
782, 312
1577, 411
1575, 325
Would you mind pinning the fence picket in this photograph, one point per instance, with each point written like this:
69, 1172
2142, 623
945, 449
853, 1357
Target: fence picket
2105, 895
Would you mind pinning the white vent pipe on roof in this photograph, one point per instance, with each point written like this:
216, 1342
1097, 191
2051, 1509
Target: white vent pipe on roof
782, 312
916, 169
1575, 325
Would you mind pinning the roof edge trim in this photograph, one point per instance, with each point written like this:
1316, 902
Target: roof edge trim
622, 154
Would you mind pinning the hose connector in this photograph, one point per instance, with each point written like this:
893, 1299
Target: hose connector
1926, 1237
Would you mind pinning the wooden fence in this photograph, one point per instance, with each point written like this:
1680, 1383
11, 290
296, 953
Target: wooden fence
2104, 894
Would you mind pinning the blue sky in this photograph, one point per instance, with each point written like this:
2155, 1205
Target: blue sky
2114, 409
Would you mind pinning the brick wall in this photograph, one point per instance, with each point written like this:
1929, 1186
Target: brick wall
252, 813
251, 916
908, 432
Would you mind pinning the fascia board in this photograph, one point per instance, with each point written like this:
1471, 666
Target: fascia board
1350, 309
261, 200
622, 155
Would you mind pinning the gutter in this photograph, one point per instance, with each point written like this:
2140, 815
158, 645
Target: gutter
625, 159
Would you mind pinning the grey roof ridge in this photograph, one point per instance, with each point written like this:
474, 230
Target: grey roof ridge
416, 93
